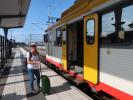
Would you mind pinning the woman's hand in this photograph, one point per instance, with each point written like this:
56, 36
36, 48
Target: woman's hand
36, 62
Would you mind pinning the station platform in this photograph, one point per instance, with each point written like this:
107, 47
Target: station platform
14, 82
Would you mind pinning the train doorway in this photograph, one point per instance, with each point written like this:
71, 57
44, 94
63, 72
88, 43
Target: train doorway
75, 47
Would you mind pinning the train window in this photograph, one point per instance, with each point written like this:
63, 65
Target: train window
117, 26
64, 36
50, 38
127, 24
90, 33
58, 37
45, 38
127, 18
108, 28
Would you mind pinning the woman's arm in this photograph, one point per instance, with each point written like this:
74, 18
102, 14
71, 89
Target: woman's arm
32, 62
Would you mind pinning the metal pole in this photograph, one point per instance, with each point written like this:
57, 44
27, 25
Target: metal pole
30, 38
6, 32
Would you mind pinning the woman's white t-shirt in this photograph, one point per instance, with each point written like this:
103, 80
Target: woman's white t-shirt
33, 58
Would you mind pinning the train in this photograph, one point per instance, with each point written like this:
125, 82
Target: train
93, 41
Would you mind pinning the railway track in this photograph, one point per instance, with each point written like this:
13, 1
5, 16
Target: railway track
83, 86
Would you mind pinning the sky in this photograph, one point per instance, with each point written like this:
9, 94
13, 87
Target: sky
36, 19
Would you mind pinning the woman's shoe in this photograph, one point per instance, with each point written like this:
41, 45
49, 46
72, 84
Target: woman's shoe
33, 91
39, 89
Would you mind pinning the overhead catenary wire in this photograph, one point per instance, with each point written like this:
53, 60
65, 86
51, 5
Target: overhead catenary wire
56, 7
52, 19
52, 8
41, 15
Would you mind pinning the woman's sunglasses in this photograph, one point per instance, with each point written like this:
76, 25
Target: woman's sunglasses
33, 46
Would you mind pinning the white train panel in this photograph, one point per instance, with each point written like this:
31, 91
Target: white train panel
116, 68
57, 52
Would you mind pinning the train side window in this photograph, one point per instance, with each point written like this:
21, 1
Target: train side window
49, 37
108, 29
127, 18
64, 37
117, 26
45, 38
58, 37
127, 24
90, 33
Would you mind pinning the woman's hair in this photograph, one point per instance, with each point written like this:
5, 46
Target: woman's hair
36, 51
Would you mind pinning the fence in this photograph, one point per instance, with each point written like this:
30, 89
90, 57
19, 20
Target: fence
5, 51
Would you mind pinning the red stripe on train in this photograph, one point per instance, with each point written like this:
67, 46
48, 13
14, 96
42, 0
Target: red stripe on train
53, 62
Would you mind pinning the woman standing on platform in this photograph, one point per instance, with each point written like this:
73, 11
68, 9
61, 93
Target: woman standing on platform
33, 67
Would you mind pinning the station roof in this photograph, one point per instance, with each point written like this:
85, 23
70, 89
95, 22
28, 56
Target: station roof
13, 13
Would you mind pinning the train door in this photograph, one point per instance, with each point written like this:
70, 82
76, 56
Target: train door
91, 48
64, 48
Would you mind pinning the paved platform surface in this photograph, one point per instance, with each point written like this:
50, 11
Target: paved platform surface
15, 86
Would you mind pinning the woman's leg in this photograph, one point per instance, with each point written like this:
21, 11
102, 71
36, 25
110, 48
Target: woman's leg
31, 78
37, 74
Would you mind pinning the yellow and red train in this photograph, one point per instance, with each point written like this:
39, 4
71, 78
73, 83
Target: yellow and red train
93, 41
